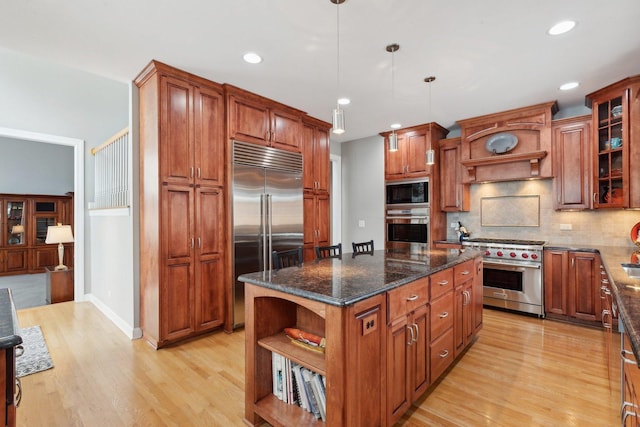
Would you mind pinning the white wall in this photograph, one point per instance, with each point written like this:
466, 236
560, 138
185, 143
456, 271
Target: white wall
363, 191
29, 167
44, 97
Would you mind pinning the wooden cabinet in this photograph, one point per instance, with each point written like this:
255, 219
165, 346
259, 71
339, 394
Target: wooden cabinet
59, 285
616, 144
182, 192
353, 363
259, 120
630, 396
407, 346
464, 325
10, 340
442, 350
454, 194
24, 223
409, 161
571, 151
572, 285
316, 183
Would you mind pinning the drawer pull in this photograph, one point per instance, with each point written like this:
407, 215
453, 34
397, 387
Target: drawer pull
443, 282
19, 350
465, 273
444, 354
412, 297
623, 355
444, 314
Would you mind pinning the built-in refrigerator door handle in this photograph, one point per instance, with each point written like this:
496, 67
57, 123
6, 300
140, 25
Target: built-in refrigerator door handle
269, 213
263, 222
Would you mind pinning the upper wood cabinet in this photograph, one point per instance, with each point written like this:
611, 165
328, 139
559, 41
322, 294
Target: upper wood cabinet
316, 155
409, 161
616, 144
192, 142
571, 146
259, 120
528, 158
182, 204
454, 194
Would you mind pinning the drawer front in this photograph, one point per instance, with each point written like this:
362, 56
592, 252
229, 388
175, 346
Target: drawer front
441, 355
441, 315
407, 298
463, 272
441, 283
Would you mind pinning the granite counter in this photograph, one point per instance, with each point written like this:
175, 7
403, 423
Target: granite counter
345, 281
625, 289
9, 329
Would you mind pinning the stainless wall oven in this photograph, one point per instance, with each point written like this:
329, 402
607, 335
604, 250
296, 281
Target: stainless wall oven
512, 274
407, 229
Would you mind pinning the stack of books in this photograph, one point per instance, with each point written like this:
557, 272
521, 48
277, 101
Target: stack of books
297, 385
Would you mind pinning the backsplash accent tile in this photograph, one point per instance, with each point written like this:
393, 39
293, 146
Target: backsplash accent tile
604, 227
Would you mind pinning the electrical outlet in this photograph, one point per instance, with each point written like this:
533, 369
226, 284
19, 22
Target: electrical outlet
566, 227
361, 223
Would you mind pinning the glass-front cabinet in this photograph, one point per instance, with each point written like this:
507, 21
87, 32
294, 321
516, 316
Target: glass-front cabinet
616, 124
15, 222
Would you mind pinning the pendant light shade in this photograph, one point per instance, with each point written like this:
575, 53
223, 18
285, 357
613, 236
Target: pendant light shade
338, 120
338, 114
393, 141
430, 155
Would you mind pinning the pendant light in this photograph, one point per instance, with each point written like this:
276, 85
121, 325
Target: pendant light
430, 154
338, 113
393, 138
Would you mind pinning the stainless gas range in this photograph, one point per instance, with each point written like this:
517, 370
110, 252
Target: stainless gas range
512, 277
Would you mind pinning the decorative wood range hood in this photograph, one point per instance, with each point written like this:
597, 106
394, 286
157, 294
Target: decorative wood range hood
507, 146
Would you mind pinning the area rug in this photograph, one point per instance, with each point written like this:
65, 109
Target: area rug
36, 356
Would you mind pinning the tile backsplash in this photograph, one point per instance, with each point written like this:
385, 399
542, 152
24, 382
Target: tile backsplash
603, 227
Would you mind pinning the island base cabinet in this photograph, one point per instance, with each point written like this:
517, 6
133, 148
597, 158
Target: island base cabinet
630, 385
352, 362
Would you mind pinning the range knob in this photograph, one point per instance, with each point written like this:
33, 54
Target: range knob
512, 254
499, 253
487, 253
525, 255
534, 256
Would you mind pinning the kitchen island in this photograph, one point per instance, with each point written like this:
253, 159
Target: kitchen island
392, 322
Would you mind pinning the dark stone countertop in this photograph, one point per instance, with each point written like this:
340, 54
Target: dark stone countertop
625, 289
9, 328
345, 281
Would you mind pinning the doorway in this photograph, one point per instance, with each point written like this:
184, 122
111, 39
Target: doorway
78, 188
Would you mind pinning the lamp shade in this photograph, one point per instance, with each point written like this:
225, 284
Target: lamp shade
59, 234
17, 229
338, 121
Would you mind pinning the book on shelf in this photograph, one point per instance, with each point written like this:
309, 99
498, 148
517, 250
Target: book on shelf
318, 390
313, 399
297, 371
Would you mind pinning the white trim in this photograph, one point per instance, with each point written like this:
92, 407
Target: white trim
127, 329
78, 195
110, 212
336, 199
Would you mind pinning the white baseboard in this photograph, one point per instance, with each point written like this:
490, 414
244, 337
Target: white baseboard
128, 330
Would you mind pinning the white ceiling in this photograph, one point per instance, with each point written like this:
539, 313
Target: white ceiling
487, 55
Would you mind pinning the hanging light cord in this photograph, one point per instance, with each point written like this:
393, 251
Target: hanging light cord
338, 51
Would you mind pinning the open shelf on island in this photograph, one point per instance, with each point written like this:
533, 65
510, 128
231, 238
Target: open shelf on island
277, 412
281, 344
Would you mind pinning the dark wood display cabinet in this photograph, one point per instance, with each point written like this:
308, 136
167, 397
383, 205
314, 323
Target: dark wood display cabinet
10, 340
24, 222
616, 144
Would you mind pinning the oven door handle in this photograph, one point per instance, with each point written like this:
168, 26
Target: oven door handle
423, 217
512, 267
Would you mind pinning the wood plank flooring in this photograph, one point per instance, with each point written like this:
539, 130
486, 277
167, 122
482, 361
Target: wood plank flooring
521, 371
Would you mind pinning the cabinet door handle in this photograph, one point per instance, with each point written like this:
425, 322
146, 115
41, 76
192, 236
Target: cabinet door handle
415, 339
18, 397
199, 242
412, 339
573, 262
605, 324
412, 297
443, 282
19, 350
192, 243
191, 171
444, 314
625, 359
444, 354
199, 173
595, 197
467, 298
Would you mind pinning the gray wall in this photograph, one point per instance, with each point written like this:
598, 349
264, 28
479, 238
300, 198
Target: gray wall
28, 167
363, 191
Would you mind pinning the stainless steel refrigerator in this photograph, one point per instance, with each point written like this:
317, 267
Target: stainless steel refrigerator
267, 211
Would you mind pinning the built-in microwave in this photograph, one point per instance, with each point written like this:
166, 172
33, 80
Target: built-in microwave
414, 192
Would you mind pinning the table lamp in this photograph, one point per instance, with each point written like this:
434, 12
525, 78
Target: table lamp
59, 234
17, 229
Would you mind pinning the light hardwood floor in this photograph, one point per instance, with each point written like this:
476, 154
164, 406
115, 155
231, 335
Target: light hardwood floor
521, 371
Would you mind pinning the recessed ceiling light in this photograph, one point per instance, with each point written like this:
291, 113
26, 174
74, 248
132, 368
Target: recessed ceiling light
569, 86
561, 27
344, 101
252, 58
396, 126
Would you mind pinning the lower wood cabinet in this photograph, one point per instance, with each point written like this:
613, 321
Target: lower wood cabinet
572, 282
630, 397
